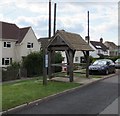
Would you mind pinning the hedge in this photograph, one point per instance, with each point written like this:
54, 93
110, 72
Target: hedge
34, 63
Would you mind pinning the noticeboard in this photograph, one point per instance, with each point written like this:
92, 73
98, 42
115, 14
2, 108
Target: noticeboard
46, 60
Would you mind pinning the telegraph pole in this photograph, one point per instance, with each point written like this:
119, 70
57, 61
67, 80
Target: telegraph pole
49, 19
45, 51
87, 52
54, 28
88, 29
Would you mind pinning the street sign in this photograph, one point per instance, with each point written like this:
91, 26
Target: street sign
46, 60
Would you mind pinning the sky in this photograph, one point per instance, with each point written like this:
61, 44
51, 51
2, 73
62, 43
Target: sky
71, 17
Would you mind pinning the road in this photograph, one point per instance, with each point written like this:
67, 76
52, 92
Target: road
90, 99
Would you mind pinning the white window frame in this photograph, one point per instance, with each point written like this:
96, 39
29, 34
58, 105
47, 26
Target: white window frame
7, 44
29, 45
6, 61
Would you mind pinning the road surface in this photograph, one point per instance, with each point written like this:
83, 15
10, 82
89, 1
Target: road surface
91, 99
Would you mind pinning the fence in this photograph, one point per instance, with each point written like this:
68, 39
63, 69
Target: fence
13, 74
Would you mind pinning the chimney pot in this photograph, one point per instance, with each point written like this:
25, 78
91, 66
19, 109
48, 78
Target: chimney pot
101, 40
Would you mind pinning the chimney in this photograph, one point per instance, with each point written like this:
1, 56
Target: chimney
86, 39
101, 40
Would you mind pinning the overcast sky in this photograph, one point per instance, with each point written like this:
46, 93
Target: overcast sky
71, 16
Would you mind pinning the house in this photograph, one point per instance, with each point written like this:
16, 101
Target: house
99, 49
112, 48
16, 43
78, 57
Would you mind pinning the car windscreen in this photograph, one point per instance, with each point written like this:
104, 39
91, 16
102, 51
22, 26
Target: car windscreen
100, 62
118, 60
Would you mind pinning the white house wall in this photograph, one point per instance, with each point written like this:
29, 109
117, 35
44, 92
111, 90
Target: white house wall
94, 53
17, 52
8, 52
78, 54
30, 37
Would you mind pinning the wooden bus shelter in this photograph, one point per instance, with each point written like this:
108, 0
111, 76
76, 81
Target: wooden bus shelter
70, 43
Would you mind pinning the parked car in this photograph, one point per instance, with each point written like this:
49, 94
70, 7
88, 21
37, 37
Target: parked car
102, 66
117, 63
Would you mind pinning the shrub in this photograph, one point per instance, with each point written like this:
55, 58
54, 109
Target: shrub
34, 63
11, 72
14, 65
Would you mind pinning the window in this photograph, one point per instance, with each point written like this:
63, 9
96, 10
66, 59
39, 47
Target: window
99, 51
6, 61
106, 52
82, 59
76, 59
7, 44
98, 46
29, 45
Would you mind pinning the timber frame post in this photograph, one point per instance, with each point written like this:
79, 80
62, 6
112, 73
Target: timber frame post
70, 68
49, 64
71, 54
45, 66
51, 57
67, 56
86, 54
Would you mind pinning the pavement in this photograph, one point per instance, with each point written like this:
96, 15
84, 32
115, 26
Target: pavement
83, 81
112, 108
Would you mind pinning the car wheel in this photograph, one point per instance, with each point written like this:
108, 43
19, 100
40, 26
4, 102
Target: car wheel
107, 72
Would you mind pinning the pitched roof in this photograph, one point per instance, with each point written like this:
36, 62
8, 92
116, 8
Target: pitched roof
74, 41
99, 45
12, 31
22, 33
44, 42
110, 45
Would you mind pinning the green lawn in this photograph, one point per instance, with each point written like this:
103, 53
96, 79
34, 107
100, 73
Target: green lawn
14, 94
77, 74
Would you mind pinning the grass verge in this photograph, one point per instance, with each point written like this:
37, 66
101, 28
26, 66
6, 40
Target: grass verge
17, 93
76, 74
